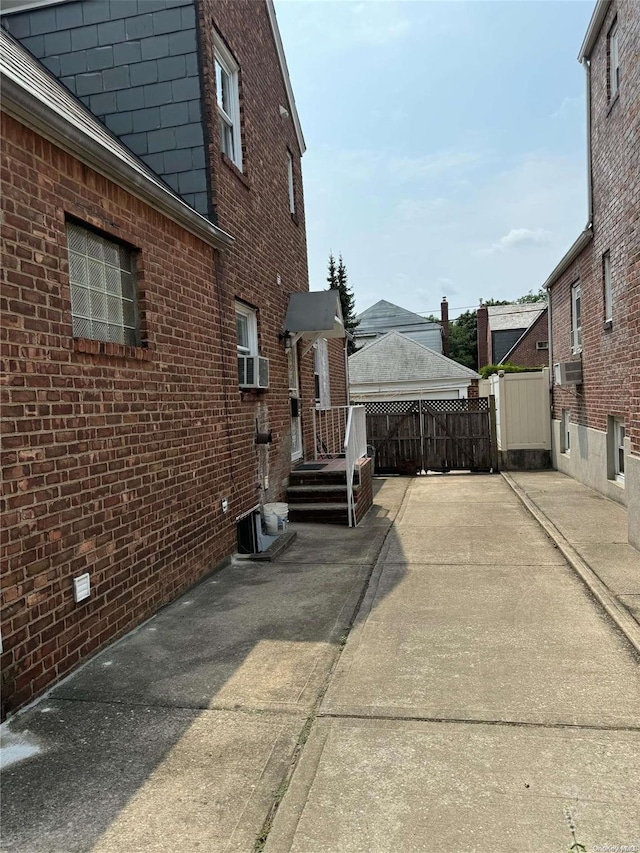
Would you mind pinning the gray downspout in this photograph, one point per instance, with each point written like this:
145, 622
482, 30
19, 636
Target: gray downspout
587, 67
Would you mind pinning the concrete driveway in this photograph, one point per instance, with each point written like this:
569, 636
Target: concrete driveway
438, 679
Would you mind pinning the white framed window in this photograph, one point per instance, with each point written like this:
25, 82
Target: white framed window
246, 329
321, 374
228, 102
292, 197
614, 62
542, 344
565, 434
576, 318
606, 284
103, 288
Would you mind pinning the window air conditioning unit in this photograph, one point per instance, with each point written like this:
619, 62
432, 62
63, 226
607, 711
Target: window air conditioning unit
567, 373
253, 371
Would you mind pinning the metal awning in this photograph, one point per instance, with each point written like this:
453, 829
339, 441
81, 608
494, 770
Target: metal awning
314, 315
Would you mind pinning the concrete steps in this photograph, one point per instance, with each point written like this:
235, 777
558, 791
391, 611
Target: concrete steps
320, 496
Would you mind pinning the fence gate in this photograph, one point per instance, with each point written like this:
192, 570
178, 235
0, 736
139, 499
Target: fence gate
408, 436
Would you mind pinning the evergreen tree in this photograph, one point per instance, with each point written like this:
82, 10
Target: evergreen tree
338, 280
332, 278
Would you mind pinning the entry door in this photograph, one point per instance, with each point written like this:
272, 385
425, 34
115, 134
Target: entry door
295, 402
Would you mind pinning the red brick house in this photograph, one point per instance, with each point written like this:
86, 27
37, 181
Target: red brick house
594, 292
515, 333
147, 276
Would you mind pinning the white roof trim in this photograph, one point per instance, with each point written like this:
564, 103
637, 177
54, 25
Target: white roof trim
581, 243
35, 98
593, 30
285, 74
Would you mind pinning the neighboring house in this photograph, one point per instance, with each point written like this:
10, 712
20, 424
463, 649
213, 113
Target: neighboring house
155, 393
594, 291
384, 317
515, 333
395, 367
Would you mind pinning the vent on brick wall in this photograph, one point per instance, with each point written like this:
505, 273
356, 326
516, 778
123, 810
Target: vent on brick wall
542, 344
81, 587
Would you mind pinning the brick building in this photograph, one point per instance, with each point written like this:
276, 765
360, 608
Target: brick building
148, 271
595, 289
515, 333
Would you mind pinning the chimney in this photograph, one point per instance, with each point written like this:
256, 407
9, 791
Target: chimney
444, 319
482, 317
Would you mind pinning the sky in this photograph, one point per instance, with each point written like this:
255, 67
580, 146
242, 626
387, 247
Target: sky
446, 143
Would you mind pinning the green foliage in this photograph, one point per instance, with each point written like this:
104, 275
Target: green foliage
489, 369
338, 280
463, 340
531, 297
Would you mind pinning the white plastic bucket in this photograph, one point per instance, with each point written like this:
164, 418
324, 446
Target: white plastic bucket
280, 510
271, 520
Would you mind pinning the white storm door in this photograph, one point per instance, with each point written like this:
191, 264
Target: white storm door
294, 395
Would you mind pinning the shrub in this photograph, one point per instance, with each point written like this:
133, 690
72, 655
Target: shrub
489, 369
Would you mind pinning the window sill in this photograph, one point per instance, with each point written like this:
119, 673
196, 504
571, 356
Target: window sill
235, 171
112, 350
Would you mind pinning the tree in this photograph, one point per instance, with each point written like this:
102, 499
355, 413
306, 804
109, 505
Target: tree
528, 298
463, 340
338, 280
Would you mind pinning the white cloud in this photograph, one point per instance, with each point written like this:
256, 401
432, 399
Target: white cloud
519, 237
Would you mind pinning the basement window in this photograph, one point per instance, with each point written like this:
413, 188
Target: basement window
103, 288
615, 440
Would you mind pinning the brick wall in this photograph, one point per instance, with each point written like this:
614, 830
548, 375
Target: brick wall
611, 356
270, 260
526, 354
115, 459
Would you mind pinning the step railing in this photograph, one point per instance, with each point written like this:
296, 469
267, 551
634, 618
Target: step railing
340, 432
330, 429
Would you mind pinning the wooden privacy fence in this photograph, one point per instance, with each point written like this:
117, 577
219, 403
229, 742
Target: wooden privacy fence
408, 436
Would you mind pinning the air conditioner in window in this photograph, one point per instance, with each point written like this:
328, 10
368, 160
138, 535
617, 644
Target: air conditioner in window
567, 373
253, 371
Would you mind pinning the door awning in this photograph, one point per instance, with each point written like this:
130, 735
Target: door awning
314, 315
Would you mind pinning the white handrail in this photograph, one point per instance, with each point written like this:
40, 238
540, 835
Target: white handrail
355, 447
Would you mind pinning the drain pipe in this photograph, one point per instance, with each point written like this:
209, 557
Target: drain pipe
586, 64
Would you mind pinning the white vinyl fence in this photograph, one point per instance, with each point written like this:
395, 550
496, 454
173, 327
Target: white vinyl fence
523, 418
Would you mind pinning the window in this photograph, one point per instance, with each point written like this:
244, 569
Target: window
614, 62
321, 374
292, 198
103, 291
619, 433
246, 329
542, 344
606, 283
576, 321
228, 101
565, 435
615, 449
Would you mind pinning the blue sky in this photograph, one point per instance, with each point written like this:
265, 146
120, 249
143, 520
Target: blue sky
445, 143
